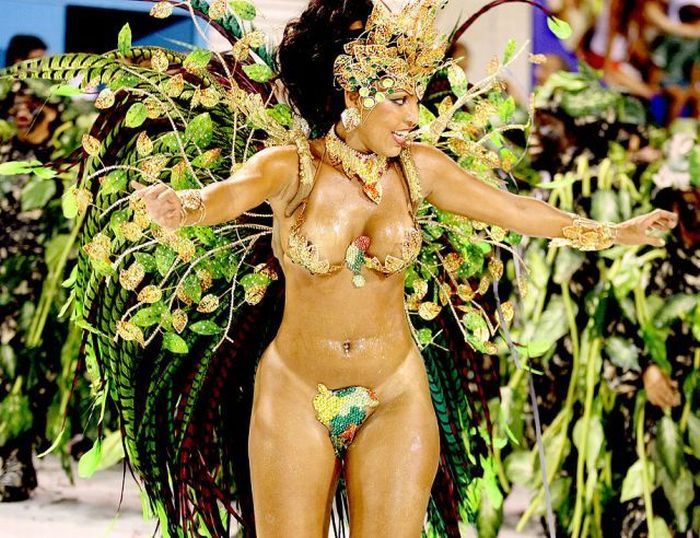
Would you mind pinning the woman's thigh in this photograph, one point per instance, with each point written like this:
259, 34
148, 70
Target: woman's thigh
293, 467
391, 466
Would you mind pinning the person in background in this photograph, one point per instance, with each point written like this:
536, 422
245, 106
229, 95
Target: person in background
553, 64
24, 47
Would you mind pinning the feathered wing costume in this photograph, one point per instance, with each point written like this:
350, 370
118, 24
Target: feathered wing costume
174, 323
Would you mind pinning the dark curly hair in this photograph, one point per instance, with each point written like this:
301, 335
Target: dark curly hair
307, 53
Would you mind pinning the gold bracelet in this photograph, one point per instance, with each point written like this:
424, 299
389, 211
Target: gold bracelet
191, 203
587, 234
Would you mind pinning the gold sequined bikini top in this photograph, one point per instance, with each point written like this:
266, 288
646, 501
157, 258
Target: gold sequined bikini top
305, 254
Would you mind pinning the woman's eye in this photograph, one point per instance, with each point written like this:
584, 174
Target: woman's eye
399, 100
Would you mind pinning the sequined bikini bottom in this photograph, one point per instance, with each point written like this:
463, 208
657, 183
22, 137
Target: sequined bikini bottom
343, 411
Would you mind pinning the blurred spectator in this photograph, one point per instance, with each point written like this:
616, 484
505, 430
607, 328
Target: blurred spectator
618, 28
27, 376
675, 55
24, 47
553, 64
460, 52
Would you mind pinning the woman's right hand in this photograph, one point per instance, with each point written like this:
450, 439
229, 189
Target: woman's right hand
162, 204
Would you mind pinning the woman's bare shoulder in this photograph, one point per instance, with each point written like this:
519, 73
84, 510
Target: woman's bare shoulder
425, 154
278, 159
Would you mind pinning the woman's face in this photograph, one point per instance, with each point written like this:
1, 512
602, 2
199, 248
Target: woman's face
31, 115
384, 128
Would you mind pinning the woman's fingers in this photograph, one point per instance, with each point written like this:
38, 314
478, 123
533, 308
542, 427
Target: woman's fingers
164, 194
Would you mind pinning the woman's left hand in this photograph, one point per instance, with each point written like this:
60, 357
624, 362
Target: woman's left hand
637, 231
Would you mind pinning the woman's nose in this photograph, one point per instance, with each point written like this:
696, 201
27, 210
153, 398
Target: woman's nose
412, 113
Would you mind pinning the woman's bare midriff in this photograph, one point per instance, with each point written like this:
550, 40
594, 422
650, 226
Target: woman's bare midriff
342, 336
333, 332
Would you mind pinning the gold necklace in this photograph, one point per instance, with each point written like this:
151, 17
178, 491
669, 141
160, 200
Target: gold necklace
367, 168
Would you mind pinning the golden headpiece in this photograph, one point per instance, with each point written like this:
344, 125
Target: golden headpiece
397, 51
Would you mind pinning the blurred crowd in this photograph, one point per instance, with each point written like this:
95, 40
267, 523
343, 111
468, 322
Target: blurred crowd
648, 48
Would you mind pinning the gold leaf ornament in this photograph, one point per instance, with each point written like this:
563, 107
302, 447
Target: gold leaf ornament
179, 320
508, 311
254, 294
100, 248
154, 108
465, 292
490, 348
142, 219
150, 294
91, 145
205, 278
130, 230
413, 302
184, 247
105, 99
420, 287
266, 270
498, 233
162, 10
429, 310
144, 145
484, 284
159, 61
180, 294
444, 293
130, 332
453, 262
209, 97
495, 268
83, 198
175, 86
208, 304
240, 50
152, 167
130, 278
217, 9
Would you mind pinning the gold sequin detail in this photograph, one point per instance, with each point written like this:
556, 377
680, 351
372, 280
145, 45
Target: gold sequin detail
130, 332
586, 234
179, 320
150, 294
130, 278
208, 304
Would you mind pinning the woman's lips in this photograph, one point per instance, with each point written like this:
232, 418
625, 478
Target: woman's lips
400, 140
23, 121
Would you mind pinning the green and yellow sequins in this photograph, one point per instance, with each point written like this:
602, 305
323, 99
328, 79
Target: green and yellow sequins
343, 411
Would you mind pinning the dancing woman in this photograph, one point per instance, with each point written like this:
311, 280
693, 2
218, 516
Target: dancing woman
341, 389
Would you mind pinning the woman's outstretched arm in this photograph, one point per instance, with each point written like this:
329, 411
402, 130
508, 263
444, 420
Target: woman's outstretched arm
449, 187
264, 176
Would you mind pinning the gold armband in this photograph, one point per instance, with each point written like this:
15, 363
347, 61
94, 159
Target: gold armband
587, 234
191, 203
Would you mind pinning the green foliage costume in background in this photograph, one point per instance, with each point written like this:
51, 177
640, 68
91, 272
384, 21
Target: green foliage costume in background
598, 320
35, 373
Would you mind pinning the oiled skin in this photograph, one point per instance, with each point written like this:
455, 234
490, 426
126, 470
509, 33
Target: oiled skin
339, 335
393, 459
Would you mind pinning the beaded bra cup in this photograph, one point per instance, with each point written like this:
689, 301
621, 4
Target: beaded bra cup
302, 252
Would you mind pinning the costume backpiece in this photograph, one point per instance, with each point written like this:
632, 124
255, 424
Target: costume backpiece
175, 322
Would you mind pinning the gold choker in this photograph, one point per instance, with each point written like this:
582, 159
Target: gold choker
368, 169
